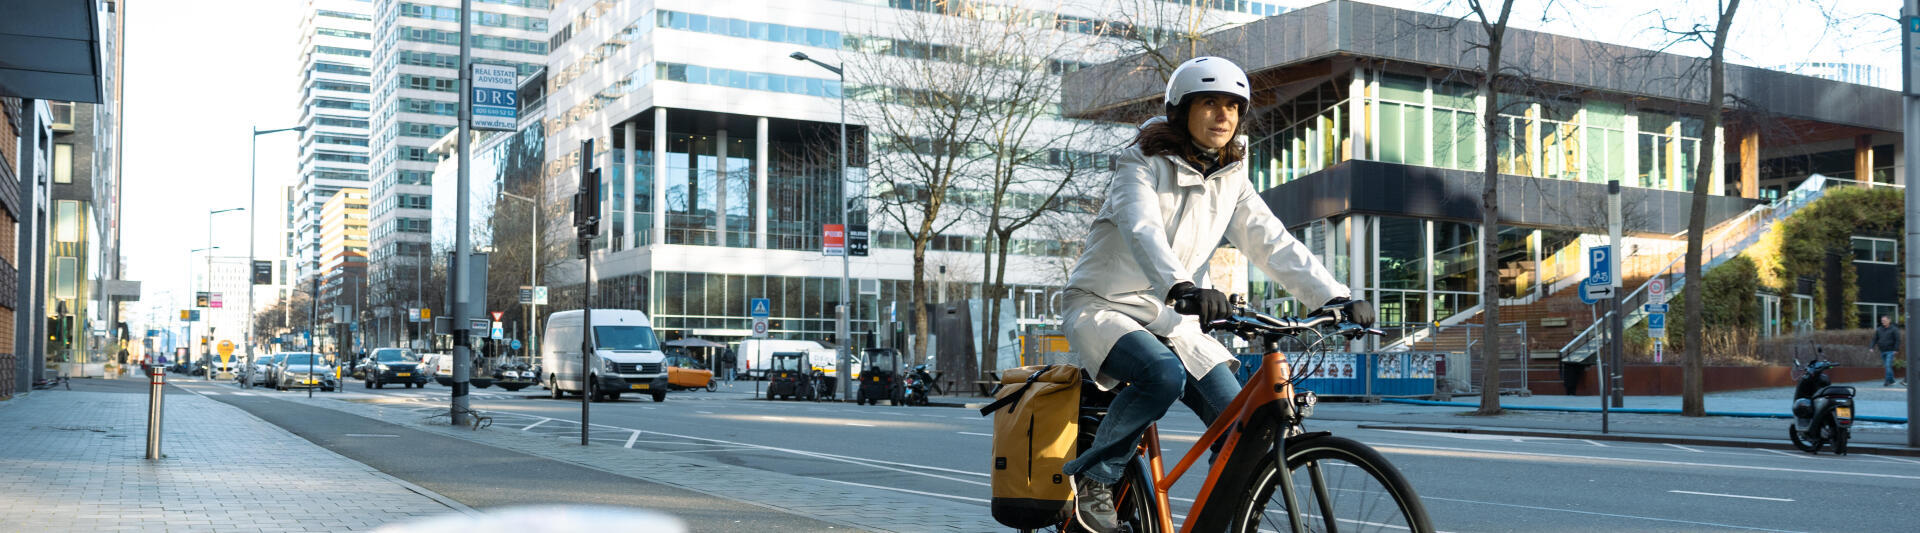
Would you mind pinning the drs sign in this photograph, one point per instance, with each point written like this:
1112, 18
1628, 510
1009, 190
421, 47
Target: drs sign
495, 97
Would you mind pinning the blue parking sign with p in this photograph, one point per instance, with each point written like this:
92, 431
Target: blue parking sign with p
760, 307
1600, 265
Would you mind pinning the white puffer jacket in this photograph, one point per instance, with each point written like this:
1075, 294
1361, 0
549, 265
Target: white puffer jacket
1160, 224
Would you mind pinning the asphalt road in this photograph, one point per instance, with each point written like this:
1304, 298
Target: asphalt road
482, 477
1468, 482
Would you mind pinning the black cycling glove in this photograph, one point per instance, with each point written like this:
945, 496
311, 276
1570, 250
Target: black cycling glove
1208, 304
1358, 311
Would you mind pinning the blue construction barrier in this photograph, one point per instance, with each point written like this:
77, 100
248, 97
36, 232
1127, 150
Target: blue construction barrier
1404, 374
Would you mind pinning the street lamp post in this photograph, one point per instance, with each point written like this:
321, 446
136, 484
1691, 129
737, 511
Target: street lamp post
253, 178
533, 268
846, 269
209, 284
191, 307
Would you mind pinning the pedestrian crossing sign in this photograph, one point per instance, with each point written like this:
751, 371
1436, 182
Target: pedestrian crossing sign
760, 307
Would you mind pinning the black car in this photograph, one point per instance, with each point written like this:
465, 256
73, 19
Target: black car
394, 365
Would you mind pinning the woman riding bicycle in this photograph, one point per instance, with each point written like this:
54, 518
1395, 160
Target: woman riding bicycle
1179, 187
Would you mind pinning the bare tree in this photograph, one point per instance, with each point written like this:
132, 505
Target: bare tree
1037, 161
1693, 401
1165, 33
925, 139
1494, 28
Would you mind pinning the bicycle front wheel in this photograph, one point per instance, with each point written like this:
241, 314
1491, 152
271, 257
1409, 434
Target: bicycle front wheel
1340, 485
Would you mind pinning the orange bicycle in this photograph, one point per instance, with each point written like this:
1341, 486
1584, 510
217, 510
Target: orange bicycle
1329, 484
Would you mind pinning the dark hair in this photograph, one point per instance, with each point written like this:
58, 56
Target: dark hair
1170, 137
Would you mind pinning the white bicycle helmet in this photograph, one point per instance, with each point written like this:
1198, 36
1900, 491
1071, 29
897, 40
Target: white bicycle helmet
1206, 75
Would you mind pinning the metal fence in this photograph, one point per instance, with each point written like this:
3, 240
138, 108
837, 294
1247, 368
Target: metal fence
1460, 366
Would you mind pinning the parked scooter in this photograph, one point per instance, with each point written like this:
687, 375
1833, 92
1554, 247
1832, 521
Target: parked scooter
1822, 412
917, 382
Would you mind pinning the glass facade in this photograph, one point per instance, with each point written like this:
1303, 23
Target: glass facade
1423, 121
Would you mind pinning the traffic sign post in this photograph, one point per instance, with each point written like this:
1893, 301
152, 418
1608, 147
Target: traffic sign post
1591, 293
1657, 291
1600, 265
760, 309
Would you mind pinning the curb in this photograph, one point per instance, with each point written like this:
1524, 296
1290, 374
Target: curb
1644, 438
1632, 410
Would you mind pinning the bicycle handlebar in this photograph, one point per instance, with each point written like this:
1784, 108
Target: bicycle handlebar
1247, 321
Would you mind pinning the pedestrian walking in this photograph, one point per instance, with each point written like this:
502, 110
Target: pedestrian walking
727, 361
1886, 339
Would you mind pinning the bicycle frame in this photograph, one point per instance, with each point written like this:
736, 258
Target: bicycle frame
1267, 385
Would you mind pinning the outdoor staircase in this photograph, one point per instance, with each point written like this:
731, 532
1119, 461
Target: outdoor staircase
1724, 241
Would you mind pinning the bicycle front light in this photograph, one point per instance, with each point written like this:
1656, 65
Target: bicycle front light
1303, 403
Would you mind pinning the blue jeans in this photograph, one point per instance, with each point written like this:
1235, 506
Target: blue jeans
1886, 359
1155, 378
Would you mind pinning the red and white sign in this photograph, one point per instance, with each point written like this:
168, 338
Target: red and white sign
213, 300
1657, 291
497, 315
835, 242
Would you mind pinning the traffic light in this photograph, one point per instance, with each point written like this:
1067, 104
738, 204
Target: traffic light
586, 200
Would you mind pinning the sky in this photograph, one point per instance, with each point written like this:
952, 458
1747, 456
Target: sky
200, 74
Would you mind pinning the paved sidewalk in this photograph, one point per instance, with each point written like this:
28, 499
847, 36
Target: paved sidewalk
75, 461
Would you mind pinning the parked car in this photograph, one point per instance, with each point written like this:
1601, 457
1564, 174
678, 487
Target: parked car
254, 372
626, 355
685, 372
393, 365
303, 370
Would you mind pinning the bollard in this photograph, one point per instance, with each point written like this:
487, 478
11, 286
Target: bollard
158, 379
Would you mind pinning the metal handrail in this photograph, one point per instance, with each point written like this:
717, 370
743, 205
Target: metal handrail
1806, 193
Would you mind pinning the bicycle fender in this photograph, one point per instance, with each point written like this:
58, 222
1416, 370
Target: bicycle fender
1304, 436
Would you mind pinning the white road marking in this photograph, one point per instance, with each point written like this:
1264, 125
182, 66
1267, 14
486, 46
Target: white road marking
1684, 448
1890, 458
531, 426
1730, 495
782, 418
1795, 455
631, 439
972, 433
1596, 443
372, 435
860, 425
1611, 515
704, 412
210, 392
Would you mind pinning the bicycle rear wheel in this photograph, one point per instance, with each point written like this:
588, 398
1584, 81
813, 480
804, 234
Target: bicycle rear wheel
1340, 485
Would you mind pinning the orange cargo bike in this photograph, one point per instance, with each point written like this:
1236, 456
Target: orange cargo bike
1328, 484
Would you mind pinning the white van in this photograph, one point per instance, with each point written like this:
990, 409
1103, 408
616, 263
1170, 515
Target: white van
755, 354
627, 356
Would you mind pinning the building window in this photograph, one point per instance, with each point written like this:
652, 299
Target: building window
63, 163
1875, 250
62, 115
1870, 313
66, 281
66, 222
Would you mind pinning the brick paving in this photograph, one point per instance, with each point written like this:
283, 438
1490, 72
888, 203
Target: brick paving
75, 461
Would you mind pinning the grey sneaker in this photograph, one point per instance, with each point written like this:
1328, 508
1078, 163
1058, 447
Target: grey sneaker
1094, 504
